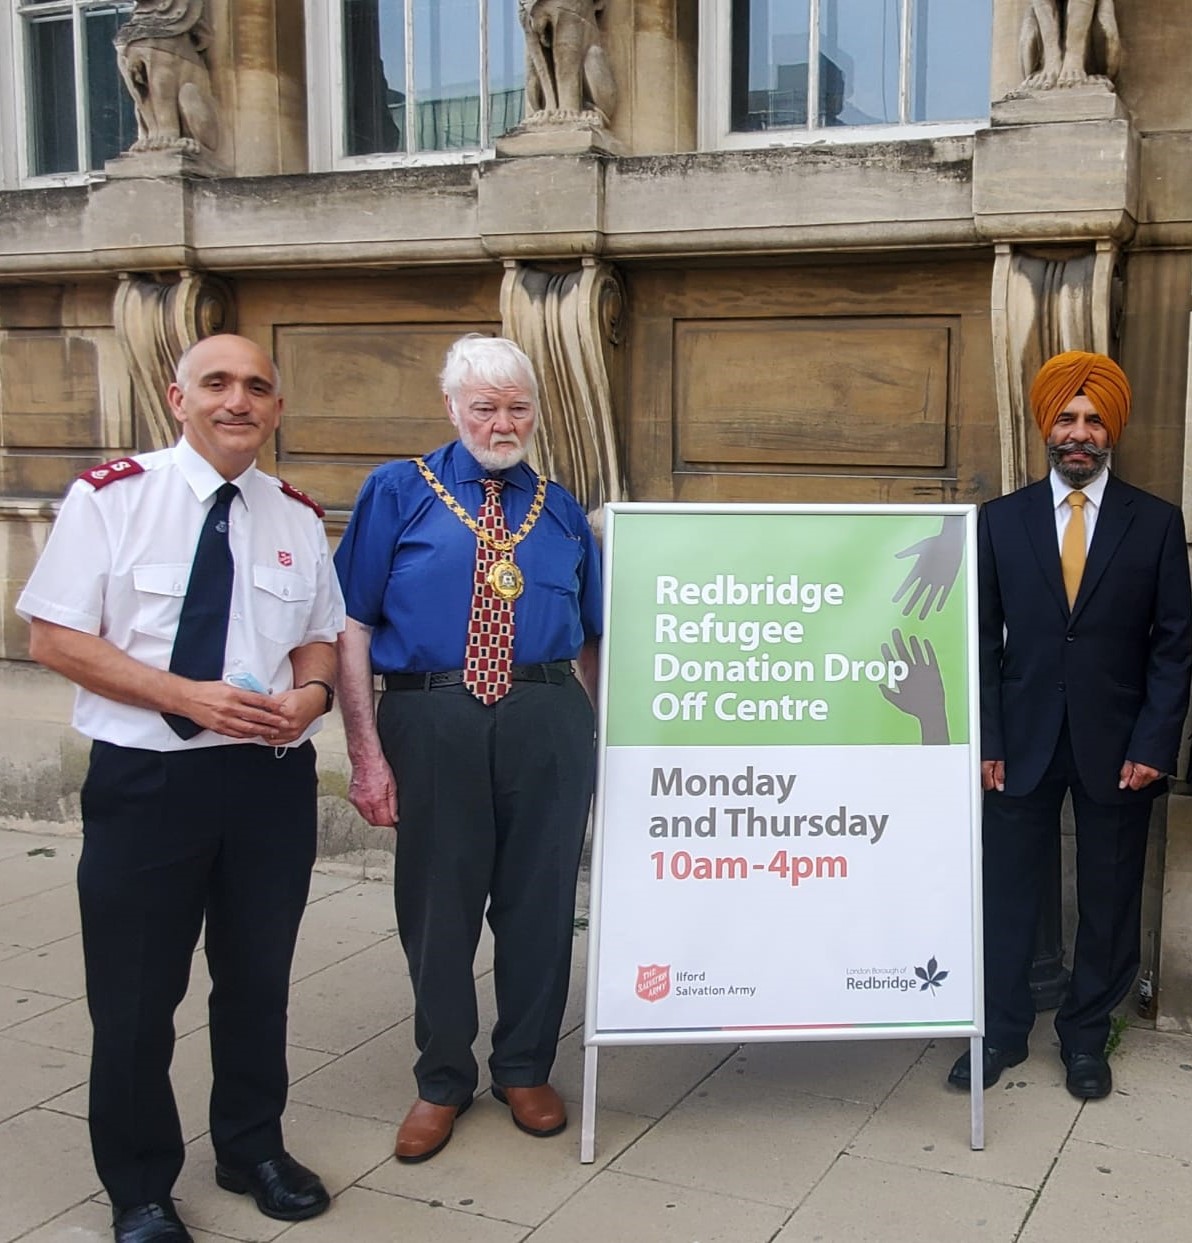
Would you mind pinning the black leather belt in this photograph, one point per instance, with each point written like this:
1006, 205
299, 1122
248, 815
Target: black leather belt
554, 671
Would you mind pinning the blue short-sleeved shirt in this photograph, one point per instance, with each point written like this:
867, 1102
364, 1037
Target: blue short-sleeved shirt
406, 564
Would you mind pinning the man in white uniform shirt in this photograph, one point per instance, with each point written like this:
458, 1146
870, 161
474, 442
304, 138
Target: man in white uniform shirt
200, 799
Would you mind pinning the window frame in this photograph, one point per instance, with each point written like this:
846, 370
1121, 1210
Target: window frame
715, 93
326, 98
15, 113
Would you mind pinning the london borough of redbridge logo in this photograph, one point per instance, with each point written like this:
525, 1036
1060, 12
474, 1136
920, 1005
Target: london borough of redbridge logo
653, 981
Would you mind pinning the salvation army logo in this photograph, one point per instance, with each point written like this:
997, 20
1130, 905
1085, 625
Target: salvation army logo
931, 976
653, 981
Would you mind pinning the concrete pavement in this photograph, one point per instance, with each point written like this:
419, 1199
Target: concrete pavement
794, 1143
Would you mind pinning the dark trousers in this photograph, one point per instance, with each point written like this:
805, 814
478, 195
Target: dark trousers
225, 834
493, 805
1110, 858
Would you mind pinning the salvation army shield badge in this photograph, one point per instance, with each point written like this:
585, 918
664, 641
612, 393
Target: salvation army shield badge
653, 981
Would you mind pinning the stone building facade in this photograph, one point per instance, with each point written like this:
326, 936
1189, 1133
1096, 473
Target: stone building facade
806, 251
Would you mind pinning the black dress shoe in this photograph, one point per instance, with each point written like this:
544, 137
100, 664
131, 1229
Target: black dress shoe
993, 1062
147, 1223
1089, 1076
282, 1188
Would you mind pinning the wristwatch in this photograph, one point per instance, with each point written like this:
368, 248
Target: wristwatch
328, 689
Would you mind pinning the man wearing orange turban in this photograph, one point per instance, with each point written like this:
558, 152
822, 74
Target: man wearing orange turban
1085, 628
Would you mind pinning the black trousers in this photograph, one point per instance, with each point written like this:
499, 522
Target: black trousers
493, 806
1110, 859
225, 834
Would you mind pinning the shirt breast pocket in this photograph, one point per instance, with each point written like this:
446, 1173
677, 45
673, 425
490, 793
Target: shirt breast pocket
160, 592
281, 604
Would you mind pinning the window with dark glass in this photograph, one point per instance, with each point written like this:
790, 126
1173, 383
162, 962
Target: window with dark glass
430, 75
78, 112
816, 64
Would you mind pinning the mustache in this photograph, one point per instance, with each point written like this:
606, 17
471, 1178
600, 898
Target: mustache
1072, 446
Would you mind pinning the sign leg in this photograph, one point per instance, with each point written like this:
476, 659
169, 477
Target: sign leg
977, 1092
587, 1133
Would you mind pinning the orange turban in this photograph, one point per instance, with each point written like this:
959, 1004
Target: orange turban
1101, 380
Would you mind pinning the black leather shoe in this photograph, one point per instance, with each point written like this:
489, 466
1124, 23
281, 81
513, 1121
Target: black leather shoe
282, 1188
993, 1062
147, 1223
1089, 1076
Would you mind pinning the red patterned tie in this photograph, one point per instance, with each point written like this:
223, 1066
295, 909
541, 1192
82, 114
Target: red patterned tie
488, 659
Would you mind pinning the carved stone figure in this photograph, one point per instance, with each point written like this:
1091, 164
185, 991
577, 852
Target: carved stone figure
1058, 39
568, 77
161, 51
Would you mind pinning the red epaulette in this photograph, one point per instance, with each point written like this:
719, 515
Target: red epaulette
290, 490
109, 472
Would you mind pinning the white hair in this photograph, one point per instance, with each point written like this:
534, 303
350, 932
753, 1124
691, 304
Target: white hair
491, 361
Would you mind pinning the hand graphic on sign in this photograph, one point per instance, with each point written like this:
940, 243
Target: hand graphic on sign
937, 562
921, 693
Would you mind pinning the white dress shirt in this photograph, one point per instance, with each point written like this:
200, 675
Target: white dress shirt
1094, 494
117, 565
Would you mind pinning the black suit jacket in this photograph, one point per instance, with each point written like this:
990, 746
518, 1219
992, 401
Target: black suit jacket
1116, 665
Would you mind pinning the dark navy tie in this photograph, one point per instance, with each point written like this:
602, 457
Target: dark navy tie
203, 625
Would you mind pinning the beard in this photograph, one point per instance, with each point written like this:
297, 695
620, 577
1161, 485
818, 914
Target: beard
1077, 474
506, 452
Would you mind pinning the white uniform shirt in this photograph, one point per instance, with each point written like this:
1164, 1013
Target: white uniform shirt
118, 561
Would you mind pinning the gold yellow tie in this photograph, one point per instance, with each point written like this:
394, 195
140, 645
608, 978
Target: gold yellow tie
1072, 550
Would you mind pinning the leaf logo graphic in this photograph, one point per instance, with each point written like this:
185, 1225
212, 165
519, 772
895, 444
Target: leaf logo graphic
931, 976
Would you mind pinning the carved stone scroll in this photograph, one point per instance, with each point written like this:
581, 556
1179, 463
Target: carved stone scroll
1044, 302
162, 54
569, 324
155, 322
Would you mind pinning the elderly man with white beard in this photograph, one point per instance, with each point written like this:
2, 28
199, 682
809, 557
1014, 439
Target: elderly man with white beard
473, 591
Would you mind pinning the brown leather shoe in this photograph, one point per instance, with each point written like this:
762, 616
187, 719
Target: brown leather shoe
537, 1111
426, 1130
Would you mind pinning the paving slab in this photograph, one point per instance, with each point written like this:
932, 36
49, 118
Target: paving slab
55, 969
925, 1123
377, 981
865, 1071
640, 1079
1098, 1194
502, 1172
343, 923
363, 1215
798, 1142
45, 1169
375, 1080
41, 918
621, 1208
746, 1139
865, 1201
18, 1005
33, 1075
1150, 1108
34, 865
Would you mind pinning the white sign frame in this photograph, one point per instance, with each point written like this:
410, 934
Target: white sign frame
599, 909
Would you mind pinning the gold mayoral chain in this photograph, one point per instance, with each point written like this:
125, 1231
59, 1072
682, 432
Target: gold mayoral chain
504, 577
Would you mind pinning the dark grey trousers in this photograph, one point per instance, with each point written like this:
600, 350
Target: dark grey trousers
492, 806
